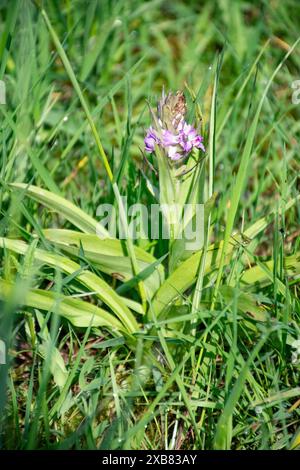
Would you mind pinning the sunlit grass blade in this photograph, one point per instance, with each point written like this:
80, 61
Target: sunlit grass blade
185, 275
223, 433
108, 254
62, 206
242, 172
102, 153
78, 312
95, 285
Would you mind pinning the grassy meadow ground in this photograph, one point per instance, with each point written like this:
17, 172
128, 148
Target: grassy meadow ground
203, 355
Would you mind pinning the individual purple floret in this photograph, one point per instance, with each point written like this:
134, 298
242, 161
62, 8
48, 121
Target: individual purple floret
171, 132
150, 140
188, 138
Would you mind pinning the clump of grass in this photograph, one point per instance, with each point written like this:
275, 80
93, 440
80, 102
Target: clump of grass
119, 345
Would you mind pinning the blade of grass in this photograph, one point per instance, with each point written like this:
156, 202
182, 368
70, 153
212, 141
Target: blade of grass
242, 173
222, 438
102, 153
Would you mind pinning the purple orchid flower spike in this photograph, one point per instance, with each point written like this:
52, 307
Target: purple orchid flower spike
170, 130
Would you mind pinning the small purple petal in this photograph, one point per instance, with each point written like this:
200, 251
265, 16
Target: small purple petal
187, 146
188, 138
169, 138
150, 140
173, 154
198, 143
